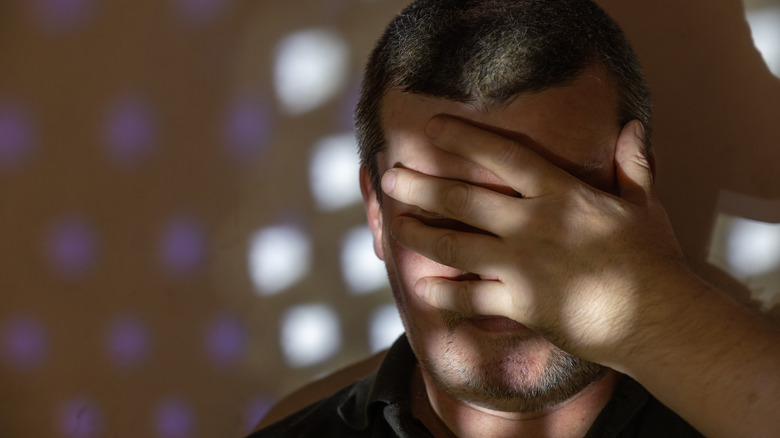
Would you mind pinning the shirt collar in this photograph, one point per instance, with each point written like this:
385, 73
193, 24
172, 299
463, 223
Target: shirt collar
388, 386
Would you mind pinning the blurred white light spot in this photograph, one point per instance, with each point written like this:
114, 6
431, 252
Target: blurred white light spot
765, 28
334, 172
361, 268
386, 327
753, 247
278, 257
310, 68
309, 334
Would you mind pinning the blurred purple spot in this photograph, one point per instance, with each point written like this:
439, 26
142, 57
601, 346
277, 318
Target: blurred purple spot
348, 104
128, 342
24, 343
174, 419
130, 131
72, 247
227, 340
63, 15
16, 136
247, 128
183, 245
79, 418
199, 11
256, 411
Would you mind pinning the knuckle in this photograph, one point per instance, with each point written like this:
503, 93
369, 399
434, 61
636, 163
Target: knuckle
413, 190
457, 198
465, 305
507, 153
445, 249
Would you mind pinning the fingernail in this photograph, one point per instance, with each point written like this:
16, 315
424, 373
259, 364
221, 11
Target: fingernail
419, 288
388, 181
639, 131
433, 128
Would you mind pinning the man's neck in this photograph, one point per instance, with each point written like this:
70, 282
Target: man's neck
447, 417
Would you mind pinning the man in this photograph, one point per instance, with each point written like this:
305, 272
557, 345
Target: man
508, 185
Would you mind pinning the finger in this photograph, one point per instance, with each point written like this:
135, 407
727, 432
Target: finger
463, 202
634, 172
520, 167
469, 298
466, 251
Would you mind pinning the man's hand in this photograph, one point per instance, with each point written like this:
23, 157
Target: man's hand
598, 274
566, 259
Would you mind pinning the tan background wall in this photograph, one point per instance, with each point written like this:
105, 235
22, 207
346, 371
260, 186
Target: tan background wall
144, 148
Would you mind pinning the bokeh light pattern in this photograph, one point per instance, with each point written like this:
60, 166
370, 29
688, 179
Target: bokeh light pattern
279, 256
198, 12
753, 247
765, 28
61, 16
362, 270
310, 334
72, 246
293, 100
334, 172
25, 343
128, 342
131, 131
386, 327
80, 418
748, 249
226, 340
310, 68
345, 115
247, 128
182, 245
120, 106
16, 136
174, 419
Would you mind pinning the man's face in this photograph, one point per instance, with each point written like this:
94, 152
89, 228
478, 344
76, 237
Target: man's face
492, 362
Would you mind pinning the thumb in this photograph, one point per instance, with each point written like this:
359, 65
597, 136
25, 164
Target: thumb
634, 173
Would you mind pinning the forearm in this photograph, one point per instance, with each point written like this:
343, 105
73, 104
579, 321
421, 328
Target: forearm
708, 358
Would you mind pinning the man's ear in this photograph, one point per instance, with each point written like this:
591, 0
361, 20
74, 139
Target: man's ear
373, 210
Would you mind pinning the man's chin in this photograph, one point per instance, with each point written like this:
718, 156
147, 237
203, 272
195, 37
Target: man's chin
500, 364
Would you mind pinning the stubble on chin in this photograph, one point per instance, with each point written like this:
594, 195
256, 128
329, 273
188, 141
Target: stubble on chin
512, 373
507, 381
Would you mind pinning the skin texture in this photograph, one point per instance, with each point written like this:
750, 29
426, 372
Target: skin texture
584, 262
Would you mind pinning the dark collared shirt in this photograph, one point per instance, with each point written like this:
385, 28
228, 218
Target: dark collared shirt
379, 405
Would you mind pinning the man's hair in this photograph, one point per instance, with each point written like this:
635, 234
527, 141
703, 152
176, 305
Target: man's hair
488, 52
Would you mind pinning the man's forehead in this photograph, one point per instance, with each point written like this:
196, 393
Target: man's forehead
575, 126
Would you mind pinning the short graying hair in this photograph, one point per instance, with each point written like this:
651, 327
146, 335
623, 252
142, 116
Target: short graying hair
490, 51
